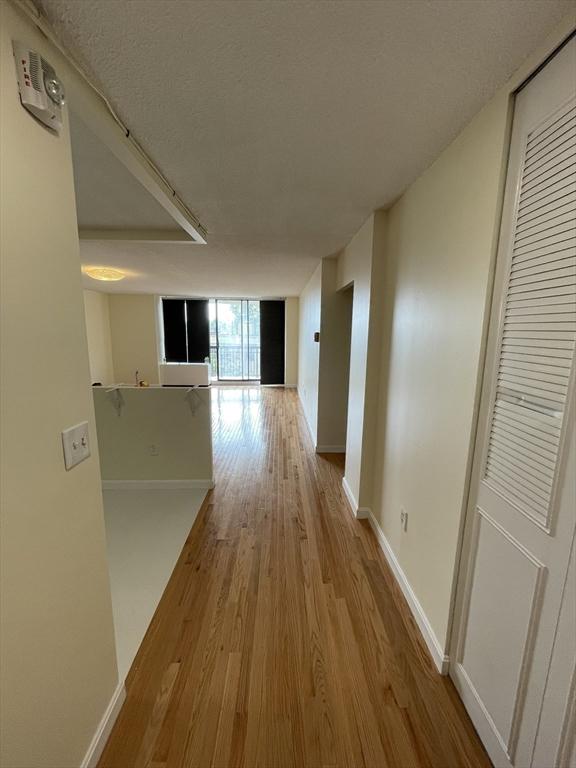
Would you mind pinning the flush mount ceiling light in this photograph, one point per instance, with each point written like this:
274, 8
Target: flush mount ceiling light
104, 273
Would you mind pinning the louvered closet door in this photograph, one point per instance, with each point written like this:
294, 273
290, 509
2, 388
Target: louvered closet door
521, 521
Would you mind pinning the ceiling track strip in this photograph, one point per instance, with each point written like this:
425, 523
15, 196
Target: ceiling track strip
32, 12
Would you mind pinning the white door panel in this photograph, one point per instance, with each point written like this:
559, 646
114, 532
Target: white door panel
501, 566
522, 515
556, 734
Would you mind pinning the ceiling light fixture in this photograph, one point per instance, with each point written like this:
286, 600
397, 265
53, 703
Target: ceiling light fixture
104, 273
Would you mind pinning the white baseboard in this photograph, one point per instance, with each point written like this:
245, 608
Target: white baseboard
156, 485
441, 660
330, 449
358, 512
104, 728
310, 432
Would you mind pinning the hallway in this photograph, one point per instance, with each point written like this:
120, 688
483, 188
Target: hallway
282, 639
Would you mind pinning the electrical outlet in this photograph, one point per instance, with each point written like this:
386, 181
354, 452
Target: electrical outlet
403, 519
154, 450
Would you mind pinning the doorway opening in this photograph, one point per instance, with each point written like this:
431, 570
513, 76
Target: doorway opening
333, 387
347, 302
234, 339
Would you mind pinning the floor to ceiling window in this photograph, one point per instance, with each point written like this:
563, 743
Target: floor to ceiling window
235, 339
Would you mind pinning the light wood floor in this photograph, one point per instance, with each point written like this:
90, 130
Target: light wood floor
282, 639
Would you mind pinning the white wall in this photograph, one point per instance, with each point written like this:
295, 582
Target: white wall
97, 312
58, 666
291, 341
133, 323
309, 350
156, 434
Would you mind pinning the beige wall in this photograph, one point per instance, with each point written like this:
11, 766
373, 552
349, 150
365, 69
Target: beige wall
154, 434
358, 265
291, 351
136, 337
97, 312
133, 323
122, 331
324, 367
422, 275
438, 262
58, 665
334, 362
439, 252
309, 350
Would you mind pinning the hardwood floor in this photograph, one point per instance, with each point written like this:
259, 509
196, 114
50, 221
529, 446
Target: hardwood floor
282, 638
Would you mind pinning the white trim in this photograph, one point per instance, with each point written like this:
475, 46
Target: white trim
487, 730
359, 512
310, 432
104, 728
440, 658
567, 741
349, 495
156, 485
137, 235
330, 449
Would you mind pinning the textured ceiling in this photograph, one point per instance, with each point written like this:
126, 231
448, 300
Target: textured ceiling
254, 268
284, 124
107, 195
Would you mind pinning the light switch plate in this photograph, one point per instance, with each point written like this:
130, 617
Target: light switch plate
76, 444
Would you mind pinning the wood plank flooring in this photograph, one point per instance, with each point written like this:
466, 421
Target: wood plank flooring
282, 639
